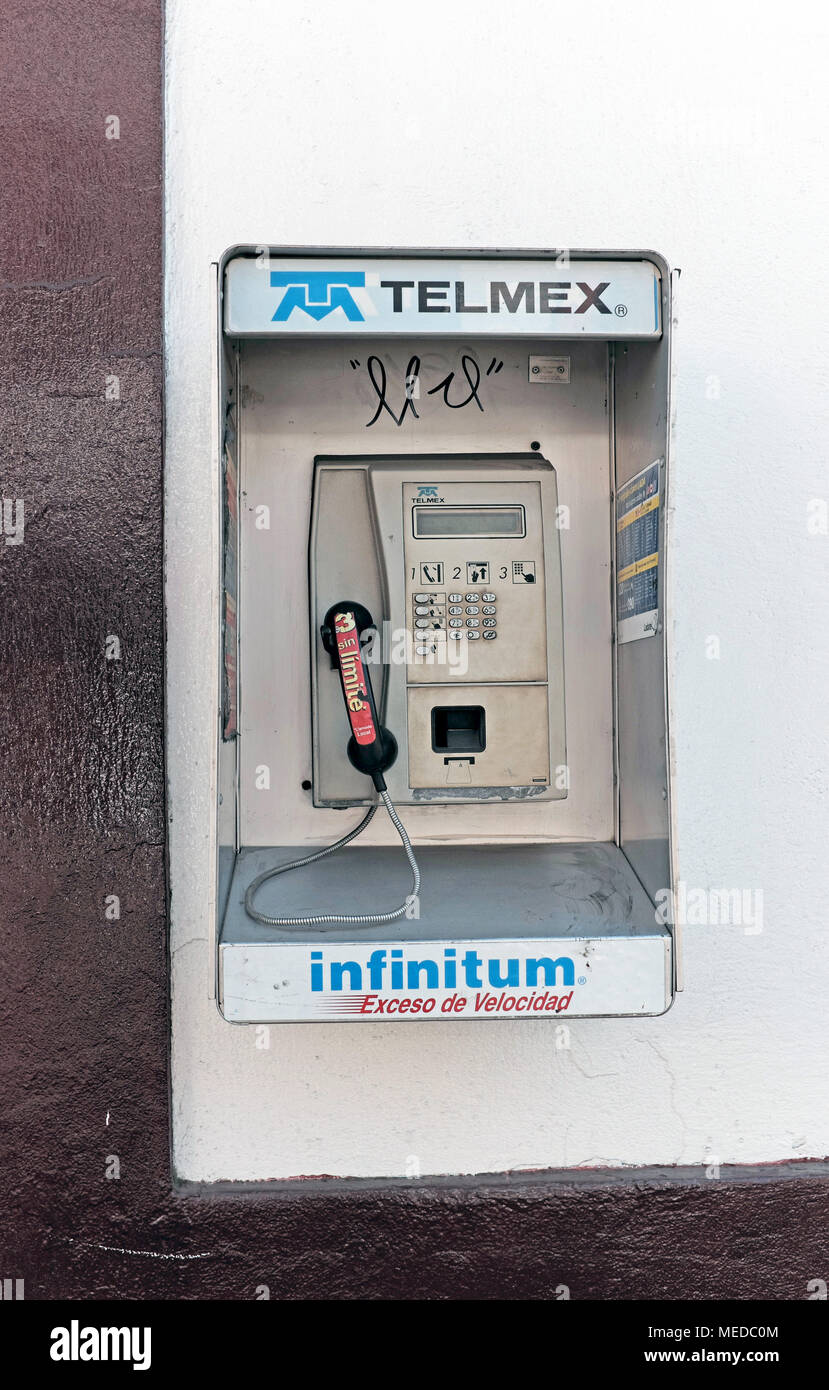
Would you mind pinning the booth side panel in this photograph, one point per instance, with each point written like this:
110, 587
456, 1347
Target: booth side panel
641, 373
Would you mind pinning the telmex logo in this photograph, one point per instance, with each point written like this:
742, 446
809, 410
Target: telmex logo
318, 293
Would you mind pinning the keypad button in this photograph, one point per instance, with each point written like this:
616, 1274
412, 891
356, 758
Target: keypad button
455, 598
423, 598
472, 598
455, 636
489, 622
456, 622
422, 610
490, 636
473, 636
488, 608
489, 598
473, 622
422, 622
424, 651
453, 608
473, 609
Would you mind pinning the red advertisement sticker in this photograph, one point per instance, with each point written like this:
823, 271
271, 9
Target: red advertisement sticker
355, 681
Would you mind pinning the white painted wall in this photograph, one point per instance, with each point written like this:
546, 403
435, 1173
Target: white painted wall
697, 130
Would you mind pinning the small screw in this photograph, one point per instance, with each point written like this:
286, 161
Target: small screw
535, 444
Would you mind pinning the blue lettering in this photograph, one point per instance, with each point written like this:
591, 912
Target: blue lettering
397, 969
495, 977
450, 967
355, 974
432, 973
568, 973
471, 963
376, 966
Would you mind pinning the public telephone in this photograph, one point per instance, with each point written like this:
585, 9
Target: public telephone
393, 629
458, 560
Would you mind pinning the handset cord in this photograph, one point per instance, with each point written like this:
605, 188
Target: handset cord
366, 919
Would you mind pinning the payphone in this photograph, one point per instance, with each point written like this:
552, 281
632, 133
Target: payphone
476, 721
444, 515
460, 558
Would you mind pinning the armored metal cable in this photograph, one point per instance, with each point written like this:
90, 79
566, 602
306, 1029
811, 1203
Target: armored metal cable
367, 919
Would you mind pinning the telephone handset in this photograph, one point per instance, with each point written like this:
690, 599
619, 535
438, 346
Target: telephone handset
371, 749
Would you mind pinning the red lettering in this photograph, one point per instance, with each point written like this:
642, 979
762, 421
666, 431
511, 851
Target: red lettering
364, 1008
391, 1007
405, 1005
428, 1005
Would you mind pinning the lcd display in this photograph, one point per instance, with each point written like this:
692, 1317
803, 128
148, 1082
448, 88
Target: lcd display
469, 521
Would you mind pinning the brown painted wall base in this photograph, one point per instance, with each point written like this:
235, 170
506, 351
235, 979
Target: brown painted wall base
598, 1236
87, 1209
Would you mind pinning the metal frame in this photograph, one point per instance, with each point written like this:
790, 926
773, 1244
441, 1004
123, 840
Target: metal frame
668, 282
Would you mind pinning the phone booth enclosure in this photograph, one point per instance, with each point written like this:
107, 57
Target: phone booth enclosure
536, 788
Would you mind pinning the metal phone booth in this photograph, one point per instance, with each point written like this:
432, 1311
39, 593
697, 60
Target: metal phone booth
444, 506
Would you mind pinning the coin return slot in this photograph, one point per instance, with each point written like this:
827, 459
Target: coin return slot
458, 729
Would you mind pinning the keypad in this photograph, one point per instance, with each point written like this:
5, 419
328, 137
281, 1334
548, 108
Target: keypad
434, 622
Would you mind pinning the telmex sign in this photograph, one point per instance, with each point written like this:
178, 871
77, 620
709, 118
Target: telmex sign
559, 297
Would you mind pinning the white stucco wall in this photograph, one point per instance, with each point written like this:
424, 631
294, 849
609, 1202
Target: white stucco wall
696, 130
